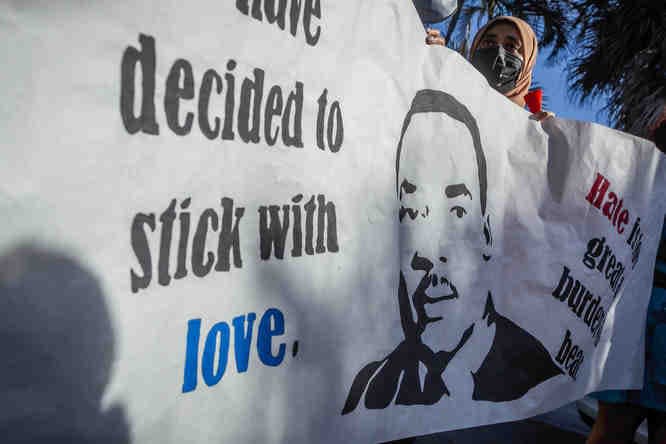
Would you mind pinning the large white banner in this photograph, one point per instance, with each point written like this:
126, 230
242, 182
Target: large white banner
291, 221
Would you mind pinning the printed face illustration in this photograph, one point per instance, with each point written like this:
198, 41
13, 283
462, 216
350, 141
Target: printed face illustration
441, 228
455, 342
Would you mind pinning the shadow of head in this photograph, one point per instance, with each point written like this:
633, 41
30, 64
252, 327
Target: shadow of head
58, 346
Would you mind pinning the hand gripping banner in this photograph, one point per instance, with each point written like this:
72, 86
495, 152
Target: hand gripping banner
291, 221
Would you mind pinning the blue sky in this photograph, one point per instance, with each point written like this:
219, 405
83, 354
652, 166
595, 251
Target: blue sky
553, 80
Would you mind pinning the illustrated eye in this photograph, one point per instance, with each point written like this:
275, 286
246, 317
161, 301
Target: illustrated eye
459, 211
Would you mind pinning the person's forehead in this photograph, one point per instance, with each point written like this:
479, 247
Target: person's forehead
503, 30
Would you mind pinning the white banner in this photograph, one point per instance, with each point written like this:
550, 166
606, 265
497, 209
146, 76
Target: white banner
291, 221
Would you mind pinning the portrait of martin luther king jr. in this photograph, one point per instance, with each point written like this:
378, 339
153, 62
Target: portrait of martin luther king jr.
445, 299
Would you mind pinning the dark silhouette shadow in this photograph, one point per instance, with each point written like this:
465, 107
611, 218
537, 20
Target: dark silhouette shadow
559, 160
58, 346
290, 293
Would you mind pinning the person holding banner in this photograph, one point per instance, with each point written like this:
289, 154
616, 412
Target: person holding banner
505, 52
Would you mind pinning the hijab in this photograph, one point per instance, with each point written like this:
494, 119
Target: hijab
528, 50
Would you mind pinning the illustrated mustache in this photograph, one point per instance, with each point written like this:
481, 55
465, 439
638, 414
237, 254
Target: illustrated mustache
431, 281
420, 299
414, 327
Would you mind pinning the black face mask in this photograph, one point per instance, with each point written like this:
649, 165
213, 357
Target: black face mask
499, 67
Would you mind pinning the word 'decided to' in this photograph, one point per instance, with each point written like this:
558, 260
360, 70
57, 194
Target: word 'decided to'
217, 345
227, 106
